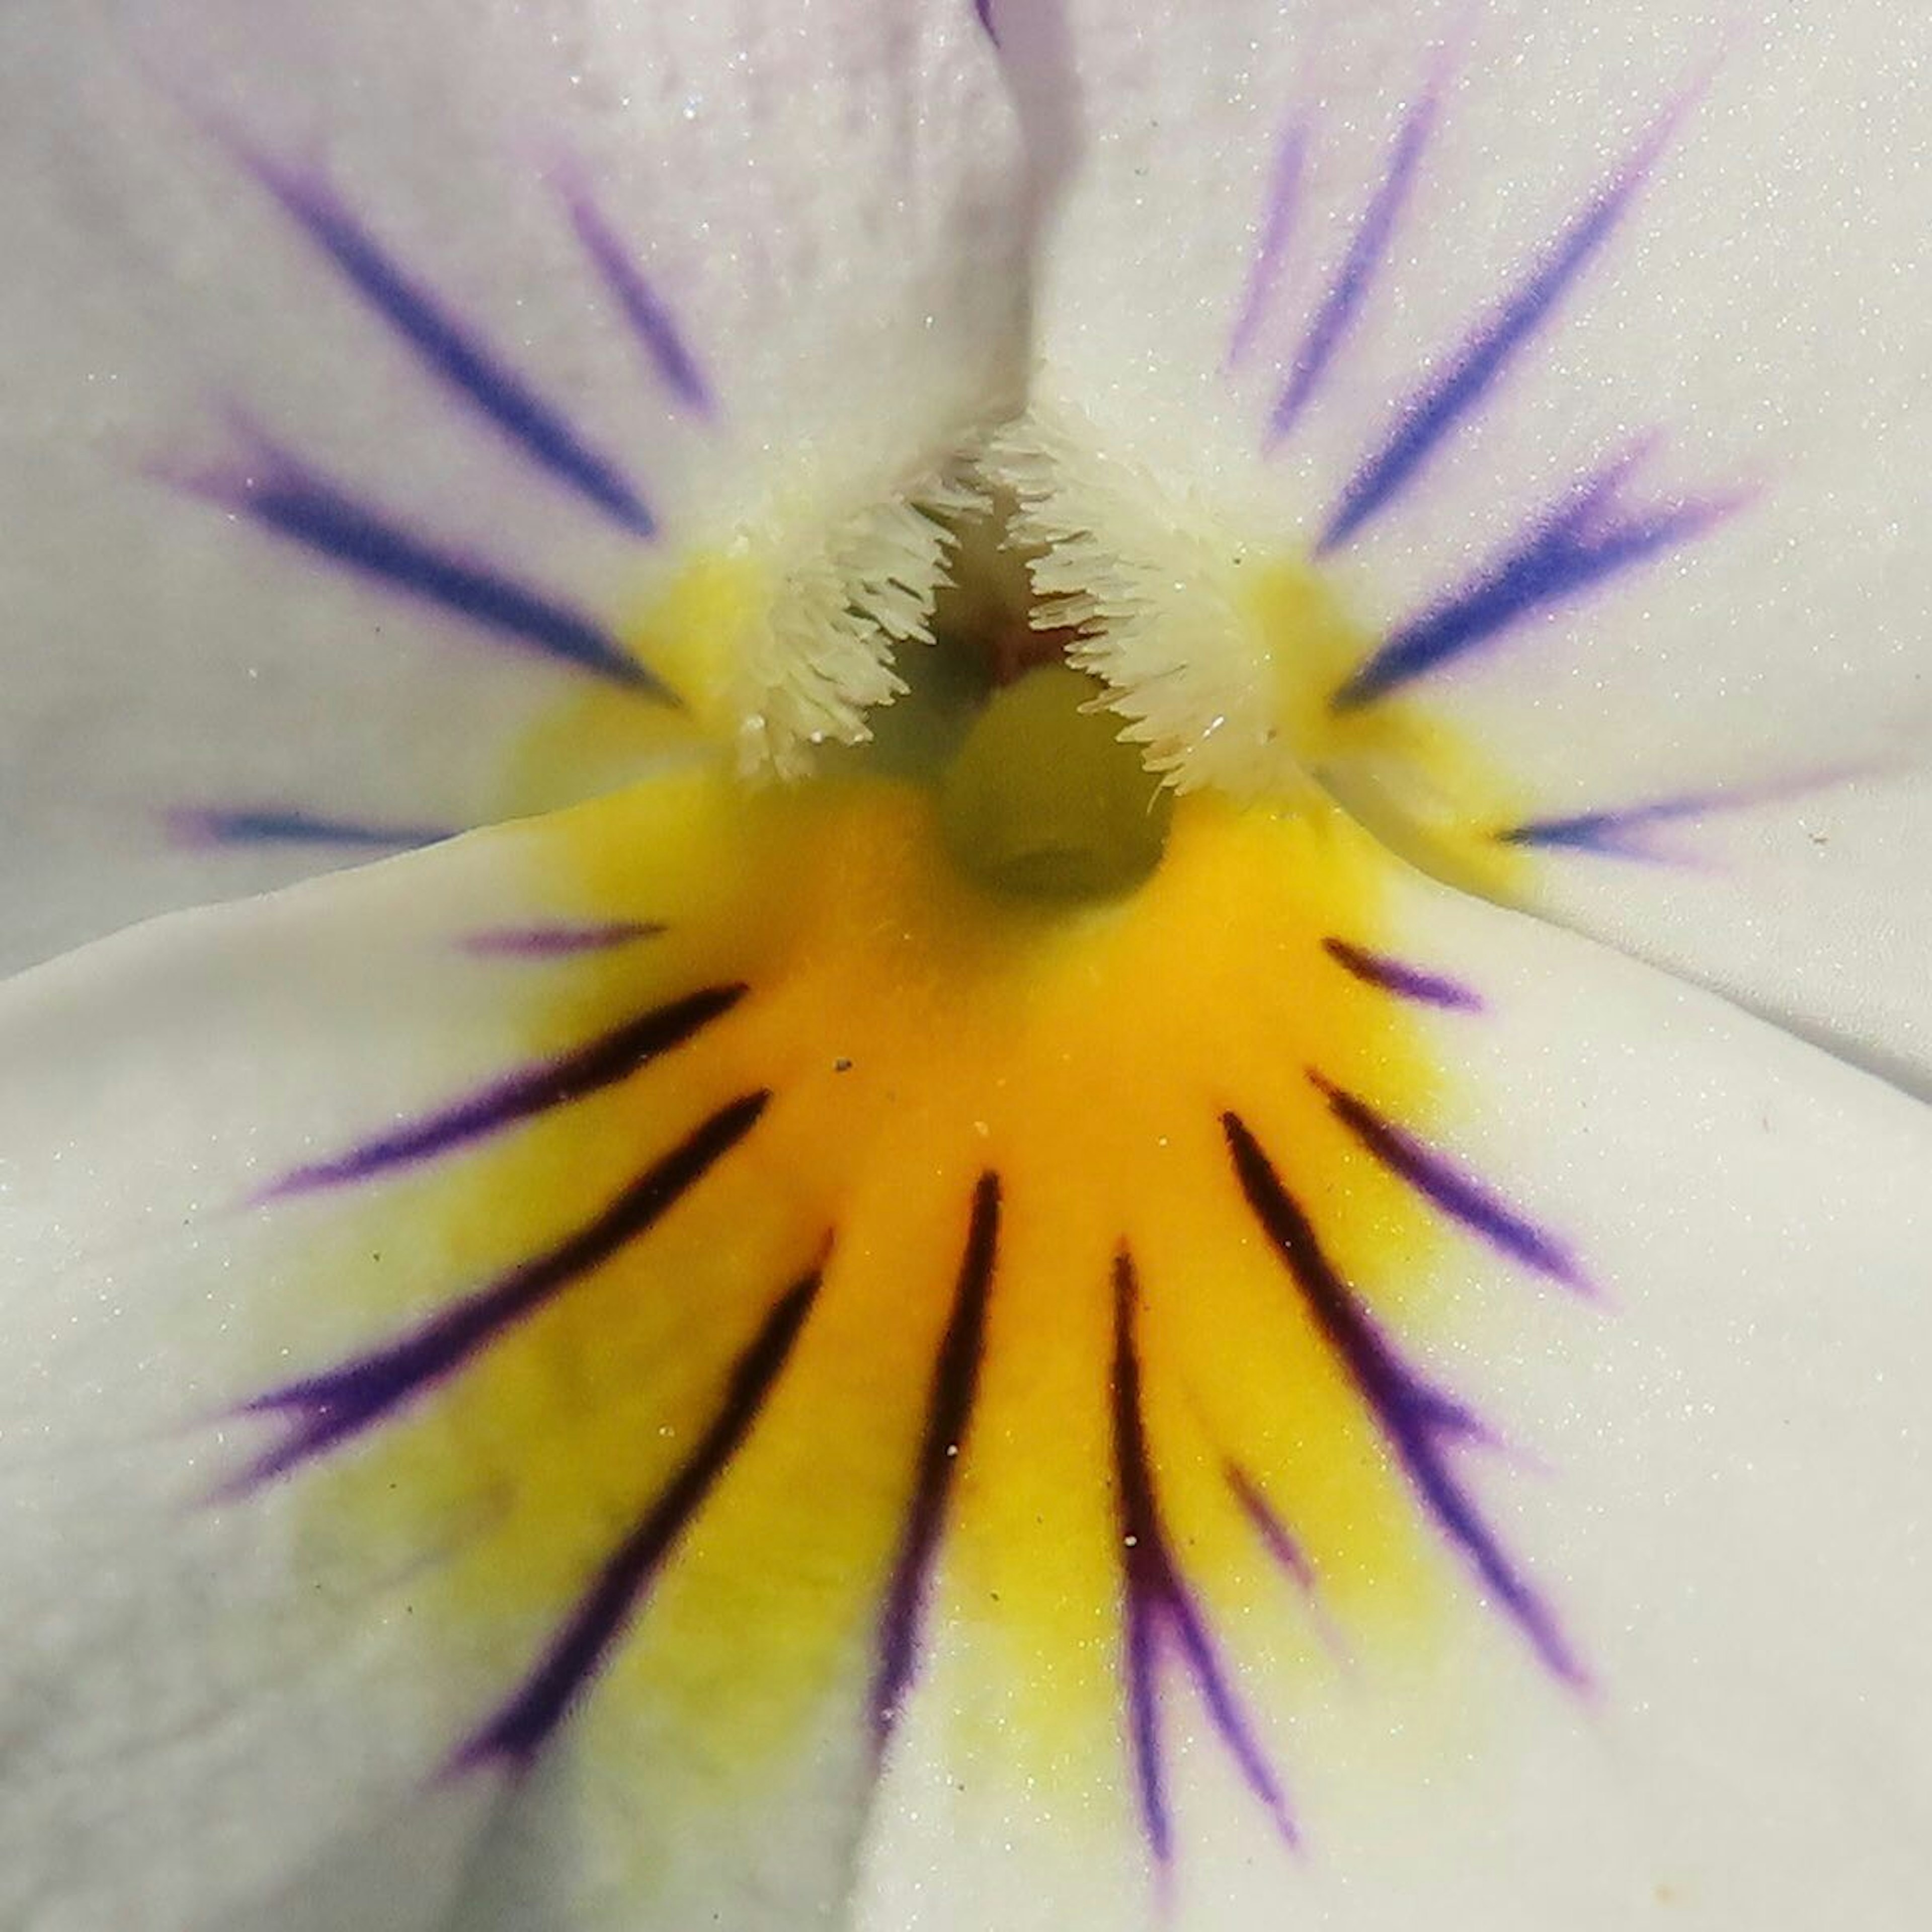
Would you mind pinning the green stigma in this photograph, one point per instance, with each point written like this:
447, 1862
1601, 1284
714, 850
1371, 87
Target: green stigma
1044, 800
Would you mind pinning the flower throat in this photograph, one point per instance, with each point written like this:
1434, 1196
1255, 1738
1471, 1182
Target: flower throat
1039, 796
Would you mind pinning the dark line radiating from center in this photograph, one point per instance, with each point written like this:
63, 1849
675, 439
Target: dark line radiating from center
323, 1410
1418, 1421
453, 351
527, 1720
1161, 1613
956, 1380
521, 1095
290, 500
1466, 377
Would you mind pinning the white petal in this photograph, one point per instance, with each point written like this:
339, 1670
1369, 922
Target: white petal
232, 1703
1711, 1470
200, 1720
816, 196
1697, 252
1700, 1486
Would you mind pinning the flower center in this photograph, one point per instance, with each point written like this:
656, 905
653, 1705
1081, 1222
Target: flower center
1039, 796
1050, 647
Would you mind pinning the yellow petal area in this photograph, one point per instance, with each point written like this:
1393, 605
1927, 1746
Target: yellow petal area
916, 1032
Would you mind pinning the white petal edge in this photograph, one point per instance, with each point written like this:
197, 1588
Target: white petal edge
198, 1734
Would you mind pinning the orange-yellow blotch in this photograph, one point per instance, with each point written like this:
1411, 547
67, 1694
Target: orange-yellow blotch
920, 1020
916, 1029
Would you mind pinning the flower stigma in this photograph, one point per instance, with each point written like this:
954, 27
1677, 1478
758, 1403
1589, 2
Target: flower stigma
1045, 798
1040, 795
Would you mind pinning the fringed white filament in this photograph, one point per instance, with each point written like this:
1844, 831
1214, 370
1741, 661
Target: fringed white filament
1153, 590
823, 657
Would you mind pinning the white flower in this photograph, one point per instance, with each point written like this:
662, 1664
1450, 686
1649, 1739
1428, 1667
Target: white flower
975, 1271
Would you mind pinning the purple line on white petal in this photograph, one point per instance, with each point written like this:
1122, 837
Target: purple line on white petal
520, 1726
322, 1411
450, 349
291, 825
1275, 1535
1405, 982
650, 320
1625, 832
1162, 1615
292, 502
1419, 1422
1143, 1691
1619, 832
1278, 220
984, 10
1285, 1549
517, 1097
949, 1415
557, 942
1458, 1194
1586, 540
1424, 423
1368, 248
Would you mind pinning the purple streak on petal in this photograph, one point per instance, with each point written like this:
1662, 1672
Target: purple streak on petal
1143, 1567
1585, 542
1285, 1549
292, 502
1431, 414
1419, 1422
650, 320
519, 1096
1143, 1675
1367, 249
521, 1725
1284, 197
1275, 1535
324, 1410
1618, 833
451, 351
1405, 982
949, 1415
557, 942
290, 825
1458, 1195
1160, 1611
984, 9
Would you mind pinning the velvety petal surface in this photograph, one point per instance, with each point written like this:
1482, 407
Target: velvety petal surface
1582, 360
679, 1363
377, 372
